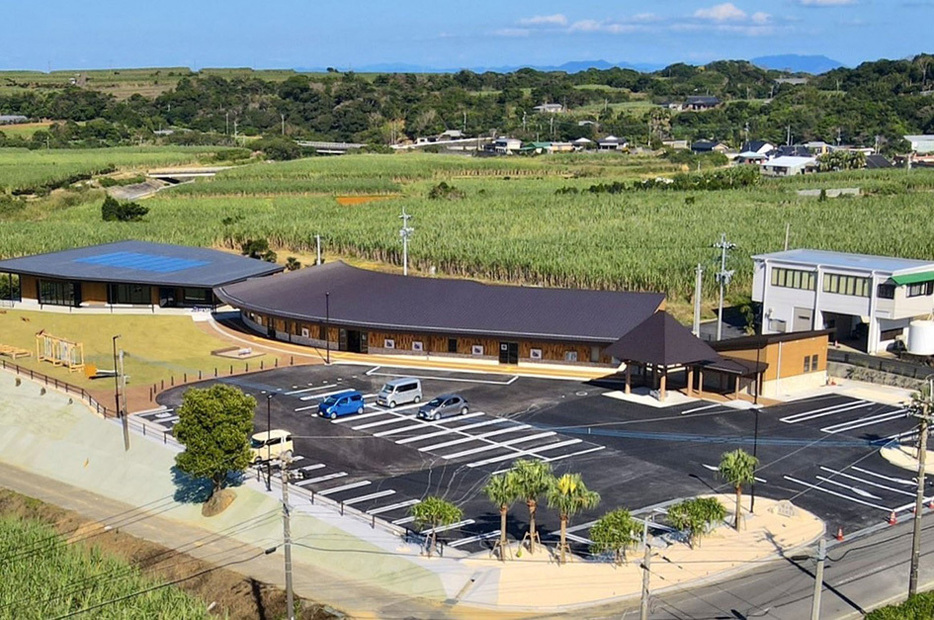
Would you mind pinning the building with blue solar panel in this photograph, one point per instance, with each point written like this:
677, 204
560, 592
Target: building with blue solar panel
128, 273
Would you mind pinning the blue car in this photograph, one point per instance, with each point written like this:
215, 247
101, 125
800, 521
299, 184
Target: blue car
344, 403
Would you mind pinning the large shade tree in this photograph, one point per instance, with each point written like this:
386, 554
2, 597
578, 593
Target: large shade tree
502, 492
738, 468
569, 495
214, 425
531, 479
432, 513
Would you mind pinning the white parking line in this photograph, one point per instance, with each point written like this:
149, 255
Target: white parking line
366, 498
339, 474
444, 528
297, 409
905, 435
846, 497
910, 483
454, 442
825, 411
359, 416
345, 487
575, 528
498, 444
395, 431
403, 520
473, 539
312, 467
696, 409
861, 422
391, 507
856, 490
451, 429
533, 452
298, 457
869, 482
311, 389
580, 539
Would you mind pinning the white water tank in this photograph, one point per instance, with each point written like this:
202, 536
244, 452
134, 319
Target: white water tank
921, 337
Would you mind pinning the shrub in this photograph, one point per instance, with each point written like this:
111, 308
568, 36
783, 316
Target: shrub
918, 607
258, 248
443, 191
115, 211
695, 516
278, 148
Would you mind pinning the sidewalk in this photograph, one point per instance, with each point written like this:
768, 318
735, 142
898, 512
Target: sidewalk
77, 460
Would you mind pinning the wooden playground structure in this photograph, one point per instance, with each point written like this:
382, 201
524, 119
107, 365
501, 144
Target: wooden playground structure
59, 351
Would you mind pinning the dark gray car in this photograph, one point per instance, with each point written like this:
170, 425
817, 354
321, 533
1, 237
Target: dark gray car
443, 406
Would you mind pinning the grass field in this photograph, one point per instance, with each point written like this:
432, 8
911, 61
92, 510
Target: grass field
42, 576
508, 223
155, 347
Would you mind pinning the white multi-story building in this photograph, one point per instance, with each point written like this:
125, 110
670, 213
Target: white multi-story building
867, 300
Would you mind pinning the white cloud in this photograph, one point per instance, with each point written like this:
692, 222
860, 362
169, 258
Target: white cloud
761, 18
826, 2
592, 25
545, 20
512, 32
721, 13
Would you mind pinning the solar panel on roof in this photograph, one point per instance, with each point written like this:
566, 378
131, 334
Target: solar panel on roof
142, 262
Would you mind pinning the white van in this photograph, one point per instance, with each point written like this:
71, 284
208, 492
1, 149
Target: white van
400, 392
270, 444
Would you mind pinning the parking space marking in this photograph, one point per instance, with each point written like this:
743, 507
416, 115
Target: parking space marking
580, 539
869, 421
339, 474
391, 507
910, 483
498, 444
575, 528
451, 429
473, 539
366, 498
312, 467
345, 487
298, 457
696, 409
905, 435
567, 456
372, 373
445, 528
359, 416
326, 394
311, 389
533, 452
403, 520
825, 411
829, 492
480, 437
869, 482
297, 409
856, 490
402, 429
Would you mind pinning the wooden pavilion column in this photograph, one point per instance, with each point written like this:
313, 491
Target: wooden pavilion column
628, 389
736, 391
700, 382
690, 374
663, 382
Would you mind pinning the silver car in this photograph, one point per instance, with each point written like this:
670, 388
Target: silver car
443, 406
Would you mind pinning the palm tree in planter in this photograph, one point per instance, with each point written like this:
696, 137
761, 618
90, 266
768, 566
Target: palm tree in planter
569, 495
738, 468
531, 479
502, 492
432, 513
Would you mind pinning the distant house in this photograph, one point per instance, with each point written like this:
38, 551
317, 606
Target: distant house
670, 105
700, 102
760, 147
12, 119
787, 166
451, 134
586, 123
921, 144
549, 108
507, 146
612, 143
582, 143
751, 157
676, 144
818, 147
794, 150
709, 146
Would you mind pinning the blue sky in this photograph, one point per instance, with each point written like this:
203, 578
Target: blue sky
446, 34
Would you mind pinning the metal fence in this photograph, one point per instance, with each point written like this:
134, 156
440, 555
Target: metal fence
902, 368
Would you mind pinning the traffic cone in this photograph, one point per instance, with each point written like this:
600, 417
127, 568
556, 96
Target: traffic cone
893, 519
931, 504
839, 536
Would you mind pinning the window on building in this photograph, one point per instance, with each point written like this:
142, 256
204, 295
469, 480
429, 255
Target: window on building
794, 278
807, 363
196, 295
322, 332
570, 356
920, 289
814, 363
886, 291
854, 286
452, 345
130, 294
57, 293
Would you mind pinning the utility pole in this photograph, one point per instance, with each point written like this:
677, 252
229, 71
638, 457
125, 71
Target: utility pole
318, 249
287, 535
787, 234
723, 277
788, 130
646, 565
282, 116
921, 407
818, 579
697, 299
226, 123
405, 232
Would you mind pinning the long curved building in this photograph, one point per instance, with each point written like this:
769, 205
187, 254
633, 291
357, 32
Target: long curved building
365, 311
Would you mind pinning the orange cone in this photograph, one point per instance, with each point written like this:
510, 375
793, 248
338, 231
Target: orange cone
839, 534
931, 504
893, 519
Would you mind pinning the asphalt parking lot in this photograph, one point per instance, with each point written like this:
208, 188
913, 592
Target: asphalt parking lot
822, 452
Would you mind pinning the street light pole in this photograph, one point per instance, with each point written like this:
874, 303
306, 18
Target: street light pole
755, 452
116, 378
921, 408
327, 324
268, 437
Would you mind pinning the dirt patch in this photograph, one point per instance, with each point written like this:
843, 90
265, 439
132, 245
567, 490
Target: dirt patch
218, 502
234, 595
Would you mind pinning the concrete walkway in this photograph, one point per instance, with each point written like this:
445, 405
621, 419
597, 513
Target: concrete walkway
57, 450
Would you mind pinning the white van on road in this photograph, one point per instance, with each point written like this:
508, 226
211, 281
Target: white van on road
400, 392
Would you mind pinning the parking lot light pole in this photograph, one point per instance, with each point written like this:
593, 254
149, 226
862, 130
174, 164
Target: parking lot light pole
755, 452
327, 324
268, 447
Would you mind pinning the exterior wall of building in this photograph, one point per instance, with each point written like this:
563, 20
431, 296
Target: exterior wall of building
786, 359
788, 385
29, 287
94, 293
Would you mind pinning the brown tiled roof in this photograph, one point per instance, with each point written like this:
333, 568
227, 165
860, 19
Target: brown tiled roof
663, 341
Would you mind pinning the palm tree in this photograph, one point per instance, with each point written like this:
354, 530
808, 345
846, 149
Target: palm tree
531, 479
738, 468
569, 495
433, 512
502, 492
